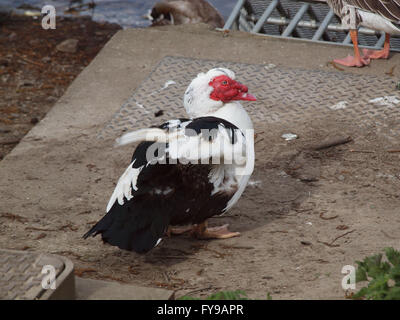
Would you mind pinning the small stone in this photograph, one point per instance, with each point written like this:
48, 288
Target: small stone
269, 66
12, 36
68, 46
289, 136
46, 59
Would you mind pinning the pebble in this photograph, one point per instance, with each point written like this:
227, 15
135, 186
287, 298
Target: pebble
68, 46
289, 136
12, 36
46, 59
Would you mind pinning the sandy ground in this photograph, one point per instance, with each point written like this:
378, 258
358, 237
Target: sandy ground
305, 216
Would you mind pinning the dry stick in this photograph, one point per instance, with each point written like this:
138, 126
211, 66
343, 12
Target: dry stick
332, 142
29, 61
259, 141
393, 151
390, 72
330, 244
342, 235
334, 65
198, 290
39, 229
224, 246
14, 217
361, 151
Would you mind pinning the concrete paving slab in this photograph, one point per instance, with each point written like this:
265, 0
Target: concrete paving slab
89, 289
57, 181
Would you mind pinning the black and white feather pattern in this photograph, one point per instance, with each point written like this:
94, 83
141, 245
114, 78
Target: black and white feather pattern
150, 195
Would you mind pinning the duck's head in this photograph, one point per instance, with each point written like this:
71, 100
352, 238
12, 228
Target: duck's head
212, 90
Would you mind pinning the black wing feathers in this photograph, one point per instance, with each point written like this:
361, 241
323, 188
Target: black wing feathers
167, 194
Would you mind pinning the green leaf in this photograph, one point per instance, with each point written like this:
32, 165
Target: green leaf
393, 256
380, 273
361, 274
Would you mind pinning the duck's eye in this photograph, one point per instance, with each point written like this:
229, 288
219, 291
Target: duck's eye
224, 82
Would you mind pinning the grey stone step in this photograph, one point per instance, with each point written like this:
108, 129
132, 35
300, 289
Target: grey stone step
89, 289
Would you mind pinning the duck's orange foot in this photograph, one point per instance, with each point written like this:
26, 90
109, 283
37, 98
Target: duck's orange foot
375, 54
351, 61
203, 232
178, 230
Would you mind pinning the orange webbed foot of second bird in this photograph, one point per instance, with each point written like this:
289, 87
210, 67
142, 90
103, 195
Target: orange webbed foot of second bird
375, 54
351, 61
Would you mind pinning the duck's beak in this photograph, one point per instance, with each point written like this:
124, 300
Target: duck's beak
245, 96
243, 93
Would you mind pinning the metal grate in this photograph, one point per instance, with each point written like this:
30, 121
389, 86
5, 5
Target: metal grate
294, 19
21, 274
285, 96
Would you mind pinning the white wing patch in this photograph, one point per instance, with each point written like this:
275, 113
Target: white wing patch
124, 187
196, 149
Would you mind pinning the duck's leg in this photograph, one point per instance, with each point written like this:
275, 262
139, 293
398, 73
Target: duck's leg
379, 54
179, 230
357, 60
201, 231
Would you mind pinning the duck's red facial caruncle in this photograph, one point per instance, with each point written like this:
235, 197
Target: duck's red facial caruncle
226, 89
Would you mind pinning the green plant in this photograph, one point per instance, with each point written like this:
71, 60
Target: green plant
383, 276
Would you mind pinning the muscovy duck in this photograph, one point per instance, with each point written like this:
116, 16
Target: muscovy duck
184, 171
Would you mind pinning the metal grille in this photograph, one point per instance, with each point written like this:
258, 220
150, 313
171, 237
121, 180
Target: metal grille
285, 95
294, 19
21, 274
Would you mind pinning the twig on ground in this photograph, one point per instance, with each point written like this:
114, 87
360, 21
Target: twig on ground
39, 229
199, 290
332, 142
390, 72
29, 61
361, 151
331, 244
80, 272
14, 217
344, 234
334, 65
